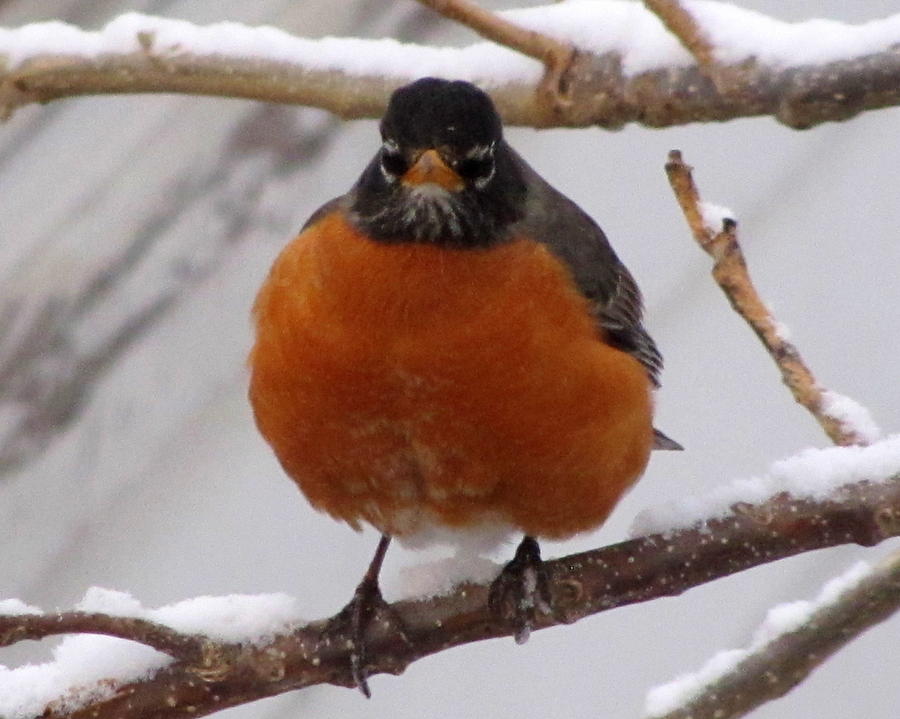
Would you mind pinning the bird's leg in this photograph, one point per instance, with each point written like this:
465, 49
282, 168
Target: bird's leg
355, 618
522, 590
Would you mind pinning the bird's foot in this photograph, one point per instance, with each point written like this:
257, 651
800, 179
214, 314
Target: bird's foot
522, 590
353, 622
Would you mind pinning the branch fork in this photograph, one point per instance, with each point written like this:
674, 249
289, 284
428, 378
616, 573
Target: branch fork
553, 91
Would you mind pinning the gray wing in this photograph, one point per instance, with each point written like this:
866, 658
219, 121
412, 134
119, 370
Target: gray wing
578, 241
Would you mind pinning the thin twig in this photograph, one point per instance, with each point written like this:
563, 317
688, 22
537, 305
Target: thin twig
730, 271
683, 26
635, 571
556, 56
183, 647
786, 661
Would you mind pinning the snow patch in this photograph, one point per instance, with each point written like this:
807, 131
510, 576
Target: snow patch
73, 677
163, 37
714, 216
237, 618
851, 415
738, 34
782, 331
810, 474
234, 618
16, 607
87, 668
780, 620
112, 602
439, 577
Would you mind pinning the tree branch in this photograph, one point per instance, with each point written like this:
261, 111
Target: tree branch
730, 271
601, 89
582, 584
784, 662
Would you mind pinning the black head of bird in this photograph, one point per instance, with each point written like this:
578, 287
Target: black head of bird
443, 173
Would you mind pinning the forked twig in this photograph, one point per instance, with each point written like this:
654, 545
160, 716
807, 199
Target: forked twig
683, 26
556, 56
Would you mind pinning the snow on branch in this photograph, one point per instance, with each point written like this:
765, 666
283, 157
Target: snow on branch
230, 651
85, 669
813, 474
794, 639
626, 67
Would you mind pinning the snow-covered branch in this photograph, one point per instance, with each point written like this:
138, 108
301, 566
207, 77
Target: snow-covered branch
795, 638
225, 671
627, 67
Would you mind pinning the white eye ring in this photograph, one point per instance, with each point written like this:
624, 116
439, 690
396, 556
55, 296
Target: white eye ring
482, 182
388, 147
481, 151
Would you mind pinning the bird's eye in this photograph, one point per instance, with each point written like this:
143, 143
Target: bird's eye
475, 168
477, 165
393, 162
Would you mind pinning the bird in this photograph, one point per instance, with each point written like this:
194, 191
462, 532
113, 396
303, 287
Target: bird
454, 344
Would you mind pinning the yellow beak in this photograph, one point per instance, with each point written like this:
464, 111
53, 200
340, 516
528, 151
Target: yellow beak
430, 167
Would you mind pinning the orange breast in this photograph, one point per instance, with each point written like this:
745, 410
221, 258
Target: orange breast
404, 384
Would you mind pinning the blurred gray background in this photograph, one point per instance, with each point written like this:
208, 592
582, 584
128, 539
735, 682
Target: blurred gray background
134, 232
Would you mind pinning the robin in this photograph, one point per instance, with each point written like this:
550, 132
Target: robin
454, 344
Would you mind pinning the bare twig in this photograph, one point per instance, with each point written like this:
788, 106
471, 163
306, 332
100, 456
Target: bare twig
557, 57
184, 647
601, 92
582, 584
683, 26
730, 271
785, 662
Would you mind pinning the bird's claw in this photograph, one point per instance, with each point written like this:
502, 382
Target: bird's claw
522, 590
354, 621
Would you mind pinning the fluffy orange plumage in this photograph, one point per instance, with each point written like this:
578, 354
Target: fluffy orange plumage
406, 385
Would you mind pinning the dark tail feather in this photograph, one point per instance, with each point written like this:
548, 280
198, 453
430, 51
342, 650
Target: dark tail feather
660, 441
